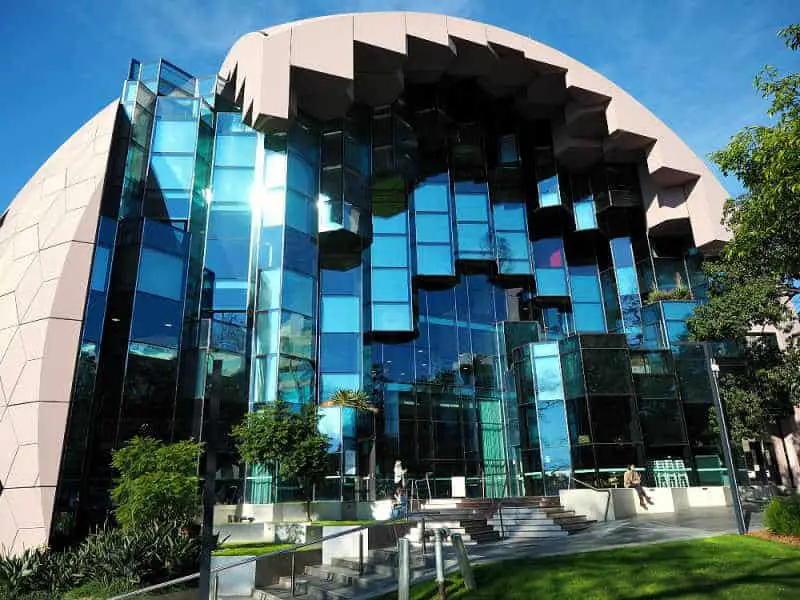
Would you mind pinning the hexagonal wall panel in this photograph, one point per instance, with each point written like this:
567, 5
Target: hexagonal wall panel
46, 248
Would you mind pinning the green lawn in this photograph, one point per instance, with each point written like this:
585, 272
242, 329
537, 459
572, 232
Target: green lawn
719, 567
256, 549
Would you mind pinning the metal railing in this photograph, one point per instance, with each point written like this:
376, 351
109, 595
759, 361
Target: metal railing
594, 489
215, 573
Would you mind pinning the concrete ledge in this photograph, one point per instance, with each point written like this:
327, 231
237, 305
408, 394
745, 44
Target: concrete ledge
625, 503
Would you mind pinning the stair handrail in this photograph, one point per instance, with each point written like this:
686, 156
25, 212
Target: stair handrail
255, 558
591, 487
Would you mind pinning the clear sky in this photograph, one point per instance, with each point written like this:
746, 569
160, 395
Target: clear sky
691, 62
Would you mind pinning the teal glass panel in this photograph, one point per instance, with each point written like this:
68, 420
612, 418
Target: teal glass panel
299, 293
390, 285
585, 217
515, 267
301, 176
341, 314
161, 274
235, 150
297, 335
295, 380
390, 251
433, 228
230, 123
330, 383
174, 136
267, 332
171, 172
434, 260
391, 317
508, 149
269, 290
551, 282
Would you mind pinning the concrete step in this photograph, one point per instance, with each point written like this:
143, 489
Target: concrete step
518, 534
528, 527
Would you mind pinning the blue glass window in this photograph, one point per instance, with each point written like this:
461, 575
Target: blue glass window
474, 238
434, 260
433, 228
300, 251
340, 352
390, 285
174, 136
391, 317
235, 150
589, 318
100, 268
345, 283
551, 277
584, 283
548, 192
390, 251
271, 248
585, 217
299, 293
513, 246
228, 123
301, 176
341, 314
228, 259
395, 224
472, 207
156, 320
229, 224
509, 217
230, 295
232, 185
301, 213
161, 274
171, 172
432, 197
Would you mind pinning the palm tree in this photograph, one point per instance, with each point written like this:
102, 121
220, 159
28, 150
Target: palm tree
360, 401
357, 399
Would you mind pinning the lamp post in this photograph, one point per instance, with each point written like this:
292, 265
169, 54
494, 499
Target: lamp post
725, 439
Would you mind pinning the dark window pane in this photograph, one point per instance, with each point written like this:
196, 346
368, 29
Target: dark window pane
156, 320
339, 352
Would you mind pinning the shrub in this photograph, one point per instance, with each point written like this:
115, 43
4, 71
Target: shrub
149, 554
678, 293
782, 516
157, 482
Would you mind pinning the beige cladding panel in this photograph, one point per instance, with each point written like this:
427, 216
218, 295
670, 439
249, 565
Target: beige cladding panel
46, 248
325, 45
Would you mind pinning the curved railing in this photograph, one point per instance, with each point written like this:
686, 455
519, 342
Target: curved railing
215, 572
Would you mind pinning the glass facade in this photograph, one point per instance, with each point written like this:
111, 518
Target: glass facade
433, 253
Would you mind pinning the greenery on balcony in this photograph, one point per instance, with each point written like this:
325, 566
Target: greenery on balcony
677, 293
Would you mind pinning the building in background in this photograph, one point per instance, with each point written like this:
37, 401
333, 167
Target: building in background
495, 242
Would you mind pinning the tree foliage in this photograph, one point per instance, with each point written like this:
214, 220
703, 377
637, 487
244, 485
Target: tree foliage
357, 399
756, 276
287, 441
157, 482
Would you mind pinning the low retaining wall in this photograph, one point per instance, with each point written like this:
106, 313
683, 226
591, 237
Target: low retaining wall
624, 502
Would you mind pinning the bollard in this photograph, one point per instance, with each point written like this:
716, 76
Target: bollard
360, 553
463, 562
438, 541
404, 571
292, 583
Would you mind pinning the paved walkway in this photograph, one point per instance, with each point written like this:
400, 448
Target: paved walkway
642, 529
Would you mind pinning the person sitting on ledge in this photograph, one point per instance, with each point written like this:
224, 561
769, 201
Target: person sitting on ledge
633, 480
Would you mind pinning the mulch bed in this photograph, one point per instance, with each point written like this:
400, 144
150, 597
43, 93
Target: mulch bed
789, 540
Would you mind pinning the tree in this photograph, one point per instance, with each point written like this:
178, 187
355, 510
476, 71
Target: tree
757, 275
287, 441
357, 399
157, 482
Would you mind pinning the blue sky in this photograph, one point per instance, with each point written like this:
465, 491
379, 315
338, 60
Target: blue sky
691, 62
